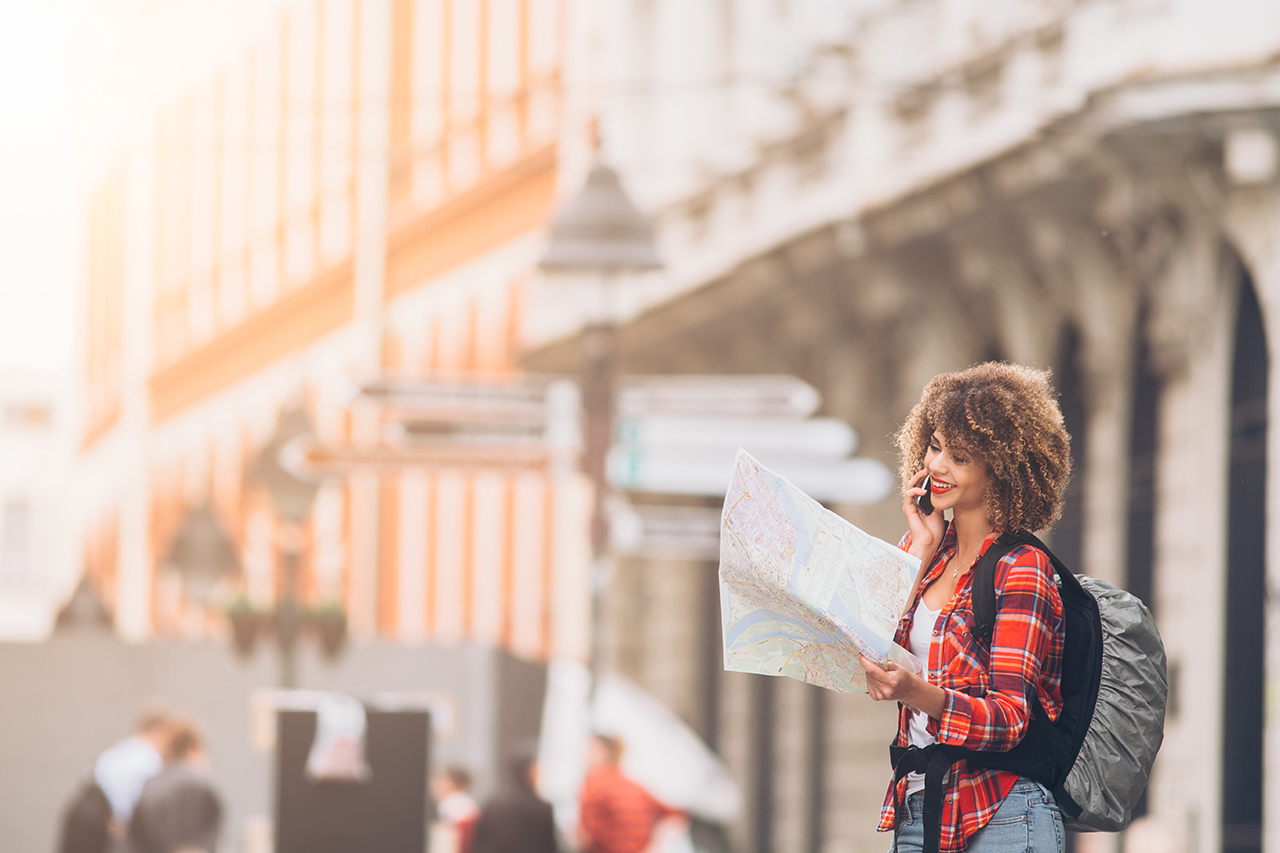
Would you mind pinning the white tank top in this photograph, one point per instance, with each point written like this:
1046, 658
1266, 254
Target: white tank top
920, 638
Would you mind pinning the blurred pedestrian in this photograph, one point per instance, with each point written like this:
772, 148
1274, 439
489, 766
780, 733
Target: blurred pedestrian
615, 814
86, 821
456, 808
121, 771
178, 810
516, 819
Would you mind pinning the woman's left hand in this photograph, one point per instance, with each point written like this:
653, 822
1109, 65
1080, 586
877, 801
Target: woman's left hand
893, 682
888, 682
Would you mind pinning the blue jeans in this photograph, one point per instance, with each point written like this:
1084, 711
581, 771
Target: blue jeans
1028, 821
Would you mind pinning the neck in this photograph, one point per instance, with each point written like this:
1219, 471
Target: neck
971, 529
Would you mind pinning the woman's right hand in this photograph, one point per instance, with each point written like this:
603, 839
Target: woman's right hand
926, 530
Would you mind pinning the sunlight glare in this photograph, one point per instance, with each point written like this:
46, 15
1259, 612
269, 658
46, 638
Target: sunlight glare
39, 220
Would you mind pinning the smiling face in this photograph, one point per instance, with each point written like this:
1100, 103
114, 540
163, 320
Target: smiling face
958, 482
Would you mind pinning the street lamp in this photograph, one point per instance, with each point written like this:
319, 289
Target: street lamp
599, 233
83, 612
202, 553
293, 496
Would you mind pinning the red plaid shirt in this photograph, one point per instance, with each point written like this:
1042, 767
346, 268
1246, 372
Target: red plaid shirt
988, 694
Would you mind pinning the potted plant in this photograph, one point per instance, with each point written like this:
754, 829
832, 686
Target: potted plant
330, 623
244, 624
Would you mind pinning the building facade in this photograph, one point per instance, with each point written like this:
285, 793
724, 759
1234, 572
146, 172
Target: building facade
336, 191
866, 194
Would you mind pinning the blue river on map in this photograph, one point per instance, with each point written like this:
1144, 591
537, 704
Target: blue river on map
804, 633
804, 545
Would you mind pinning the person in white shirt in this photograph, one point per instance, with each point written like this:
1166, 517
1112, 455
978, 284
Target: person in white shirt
122, 770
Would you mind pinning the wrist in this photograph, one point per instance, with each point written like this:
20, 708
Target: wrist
924, 555
911, 693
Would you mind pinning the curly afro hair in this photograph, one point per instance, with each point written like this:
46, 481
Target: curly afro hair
1007, 417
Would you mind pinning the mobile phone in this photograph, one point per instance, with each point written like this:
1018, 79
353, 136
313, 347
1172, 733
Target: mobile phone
924, 502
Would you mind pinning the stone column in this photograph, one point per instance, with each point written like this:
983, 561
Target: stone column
134, 591
1085, 271
859, 733
736, 748
1190, 572
790, 797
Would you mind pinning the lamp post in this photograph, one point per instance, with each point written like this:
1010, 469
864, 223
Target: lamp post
599, 234
202, 553
293, 496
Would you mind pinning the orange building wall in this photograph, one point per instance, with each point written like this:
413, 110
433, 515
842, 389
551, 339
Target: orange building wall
104, 301
254, 231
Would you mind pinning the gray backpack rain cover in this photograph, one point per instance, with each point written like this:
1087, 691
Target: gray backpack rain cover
1111, 771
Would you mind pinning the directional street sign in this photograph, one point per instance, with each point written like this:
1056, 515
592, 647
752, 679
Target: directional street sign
673, 434
314, 459
680, 434
678, 532
706, 471
522, 422
496, 399
716, 396
830, 437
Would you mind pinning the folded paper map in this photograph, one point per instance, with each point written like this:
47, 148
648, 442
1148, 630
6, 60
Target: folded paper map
802, 591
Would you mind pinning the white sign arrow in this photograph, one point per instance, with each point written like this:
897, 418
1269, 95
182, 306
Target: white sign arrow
455, 422
717, 396
680, 532
706, 471
520, 399
812, 437
310, 458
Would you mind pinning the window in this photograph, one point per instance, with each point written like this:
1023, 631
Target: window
15, 546
27, 415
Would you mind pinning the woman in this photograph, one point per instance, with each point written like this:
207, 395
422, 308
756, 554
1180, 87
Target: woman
989, 446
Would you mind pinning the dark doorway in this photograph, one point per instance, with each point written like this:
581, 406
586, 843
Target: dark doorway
1140, 556
1242, 746
1140, 547
1068, 533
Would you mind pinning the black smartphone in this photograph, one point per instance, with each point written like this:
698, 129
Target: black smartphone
924, 502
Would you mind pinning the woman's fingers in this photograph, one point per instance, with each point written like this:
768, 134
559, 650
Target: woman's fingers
881, 683
913, 490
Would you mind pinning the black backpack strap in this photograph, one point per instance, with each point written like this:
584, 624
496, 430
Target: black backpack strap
984, 578
933, 761
983, 591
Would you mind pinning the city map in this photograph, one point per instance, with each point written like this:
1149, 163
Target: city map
802, 591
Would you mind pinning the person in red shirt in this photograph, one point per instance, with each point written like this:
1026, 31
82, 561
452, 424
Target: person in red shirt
615, 814
986, 444
455, 805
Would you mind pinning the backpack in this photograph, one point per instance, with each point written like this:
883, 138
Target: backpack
1097, 756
